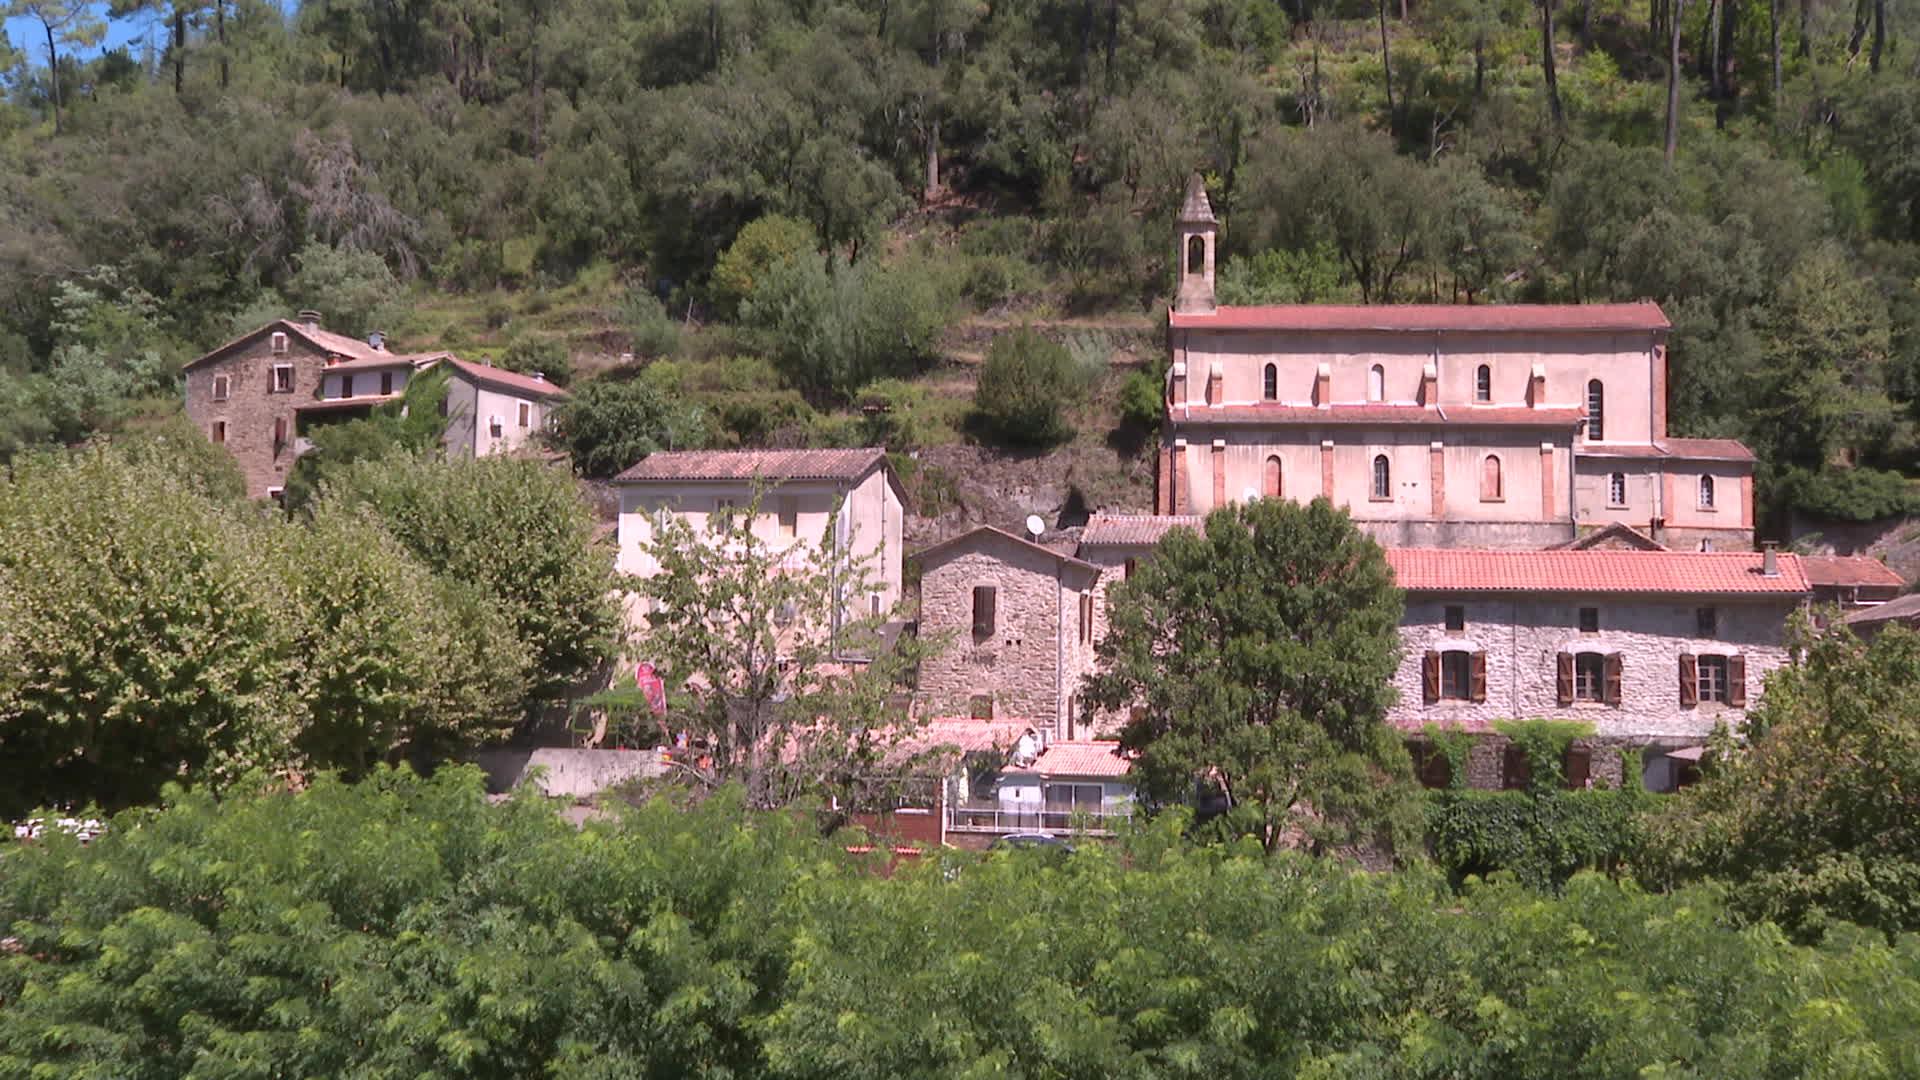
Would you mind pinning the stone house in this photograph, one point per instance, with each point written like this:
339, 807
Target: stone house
805, 496
1017, 619
1483, 426
261, 394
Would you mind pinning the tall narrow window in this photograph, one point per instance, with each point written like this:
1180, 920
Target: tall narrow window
1596, 411
220, 385
283, 378
984, 602
1483, 384
346, 386
1270, 479
789, 508
1270, 383
1086, 618
1382, 477
220, 431
1713, 679
1617, 489
1196, 255
1706, 493
386, 383
526, 414
1589, 676
1376, 383
1491, 487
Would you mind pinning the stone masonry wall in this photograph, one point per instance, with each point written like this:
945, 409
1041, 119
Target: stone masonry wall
252, 405
1021, 664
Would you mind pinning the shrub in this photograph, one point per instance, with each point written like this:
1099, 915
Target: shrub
901, 415
1026, 387
354, 291
832, 331
609, 424
541, 356
756, 250
1542, 837
1859, 494
650, 330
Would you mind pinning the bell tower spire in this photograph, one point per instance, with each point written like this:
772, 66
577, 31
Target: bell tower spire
1197, 229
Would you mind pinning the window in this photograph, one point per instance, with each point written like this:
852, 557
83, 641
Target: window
283, 378
1382, 478
1589, 620
1430, 766
1376, 383
1126, 568
1483, 384
278, 495
1456, 675
279, 343
1515, 769
445, 409
1270, 383
1578, 767
980, 706
1196, 254
1713, 679
1491, 488
985, 597
1596, 411
789, 515
1706, 622
220, 386
346, 386
1589, 676
526, 415
1065, 799
386, 385
1086, 618
875, 604
1270, 479
219, 431
279, 433
494, 427
1706, 493
1617, 489
1456, 618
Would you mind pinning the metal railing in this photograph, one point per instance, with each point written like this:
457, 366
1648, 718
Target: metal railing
996, 818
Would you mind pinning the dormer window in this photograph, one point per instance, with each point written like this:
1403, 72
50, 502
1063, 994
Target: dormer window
279, 340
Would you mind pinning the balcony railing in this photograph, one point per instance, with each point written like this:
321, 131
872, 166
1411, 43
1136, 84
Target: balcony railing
1033, 817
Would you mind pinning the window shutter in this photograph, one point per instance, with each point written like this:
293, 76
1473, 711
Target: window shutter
1611, 694
1430, 676
983, 612
1737, 681
1579, 766
1689, 681
1564, 678
1514, 768
1479, 690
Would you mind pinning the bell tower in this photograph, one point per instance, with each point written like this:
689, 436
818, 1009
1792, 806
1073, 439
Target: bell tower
1198, 229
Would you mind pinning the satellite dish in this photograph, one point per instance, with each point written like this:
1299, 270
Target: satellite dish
1035, 526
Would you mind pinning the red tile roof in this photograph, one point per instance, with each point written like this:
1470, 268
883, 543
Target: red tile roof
1445, 415
1083, 758
1901, 609
1659, 572
1850, 570
988, 532
1642, 316
1683, 449
681, 465
511, 382
1133, 530
387, 360
355, 402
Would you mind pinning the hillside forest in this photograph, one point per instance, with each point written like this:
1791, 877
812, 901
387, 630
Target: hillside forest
740, 222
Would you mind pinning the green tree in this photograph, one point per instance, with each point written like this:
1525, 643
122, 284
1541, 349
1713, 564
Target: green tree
608, 424
755, 641
64, 23
411, 425
542, 356
1026, 387
515, 531
832, 330
354, 290
1257, 656
760, 247
1811, 820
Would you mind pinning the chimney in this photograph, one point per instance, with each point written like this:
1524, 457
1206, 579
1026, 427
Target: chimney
1770, 559
1323, 385
539, 376
378, 340
310, 319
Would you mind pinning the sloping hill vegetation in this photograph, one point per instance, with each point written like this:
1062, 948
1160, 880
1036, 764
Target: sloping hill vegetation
803, 222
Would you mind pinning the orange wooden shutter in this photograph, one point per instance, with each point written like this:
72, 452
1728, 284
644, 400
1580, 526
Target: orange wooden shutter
1430, 676
1689, 681
1737, 681
1479, 691
1563, 681
1611, 695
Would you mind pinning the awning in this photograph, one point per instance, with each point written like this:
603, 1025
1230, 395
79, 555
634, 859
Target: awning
1688, 753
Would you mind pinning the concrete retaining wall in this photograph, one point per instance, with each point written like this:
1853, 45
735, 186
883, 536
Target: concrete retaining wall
567, 773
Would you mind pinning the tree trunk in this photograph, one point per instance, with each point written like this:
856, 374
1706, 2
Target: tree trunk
1805, 48
220, 29
179, 47
1704, 59
1673, 81
1113, 39
1386, 64
1860, 16
1879, 35
1586, 25
53, 75
1773, 31
1716, 17
1479, 67
1547, 63
536, 85
1725, 58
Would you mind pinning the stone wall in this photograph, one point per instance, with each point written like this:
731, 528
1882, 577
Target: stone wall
566, 773
253, 405
1522, 638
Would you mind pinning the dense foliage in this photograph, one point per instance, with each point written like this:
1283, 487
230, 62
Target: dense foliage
1256, 657
817, 183
404, 927
156, 627
1026, 387
1813, 819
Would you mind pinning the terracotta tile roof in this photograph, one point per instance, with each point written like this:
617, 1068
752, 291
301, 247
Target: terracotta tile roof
1900, 609
1850, 570
324, 340
1196, 207
680, 465
355, 402
964, 735
1083, 758
1133, 530
388, 360
1445, 415
1616, 533
511, 382
988, 532
1683, 449
1658, 572
1642, 316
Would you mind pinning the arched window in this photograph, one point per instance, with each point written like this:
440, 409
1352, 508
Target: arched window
1196, 254
1483, 384
1377, 383
1382, 477
1491, 489
1270, 479
1596, 411
1617, 489
1706, 493
1270, 383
